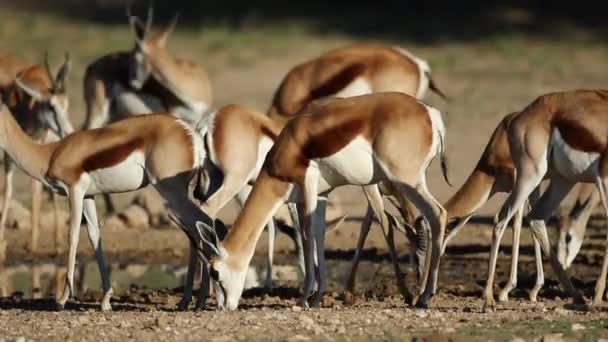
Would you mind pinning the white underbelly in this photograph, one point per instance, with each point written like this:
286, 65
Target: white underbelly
354, 164
128, 175
570, 163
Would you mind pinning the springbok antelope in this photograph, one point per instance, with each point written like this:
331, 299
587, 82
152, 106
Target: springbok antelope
38, 100
121, 157
146, 79
563, 133
353, 70
334, 142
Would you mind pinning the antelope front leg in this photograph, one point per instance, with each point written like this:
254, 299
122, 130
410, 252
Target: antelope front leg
76, 198
35, 217
512, 282
270, 227
8, 193
309, 262
540, 274
365, 226
319, 227
600, 285
90, 214
57, 224
293, 213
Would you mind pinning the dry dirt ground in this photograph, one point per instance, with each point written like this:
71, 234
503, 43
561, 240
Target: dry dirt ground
486, 78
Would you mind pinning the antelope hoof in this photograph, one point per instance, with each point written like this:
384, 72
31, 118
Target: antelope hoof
490, 305
183, 305
201, 305
59, 306
534, 295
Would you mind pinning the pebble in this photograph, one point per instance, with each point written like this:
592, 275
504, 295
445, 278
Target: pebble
577, 327
296, 308
298, 338
306, 320
553, 338
422, 313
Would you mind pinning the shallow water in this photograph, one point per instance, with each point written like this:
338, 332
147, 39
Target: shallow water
46, 279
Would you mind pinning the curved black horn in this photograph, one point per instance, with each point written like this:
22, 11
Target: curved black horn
48, 70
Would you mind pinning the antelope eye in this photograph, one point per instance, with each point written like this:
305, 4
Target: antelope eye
215, 275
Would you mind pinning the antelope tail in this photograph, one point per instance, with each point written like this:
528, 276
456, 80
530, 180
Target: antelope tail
433, 86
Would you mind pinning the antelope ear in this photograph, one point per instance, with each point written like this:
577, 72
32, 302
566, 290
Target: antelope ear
209, 238
35, 94
62, 75
138, 29
162, 37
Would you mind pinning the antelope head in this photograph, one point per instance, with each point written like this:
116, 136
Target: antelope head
227, 271
51, 105
148, 48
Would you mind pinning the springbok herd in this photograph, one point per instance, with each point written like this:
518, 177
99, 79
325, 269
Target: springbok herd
352, 116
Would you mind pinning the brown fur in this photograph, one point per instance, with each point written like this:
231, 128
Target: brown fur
384, 67
87, 151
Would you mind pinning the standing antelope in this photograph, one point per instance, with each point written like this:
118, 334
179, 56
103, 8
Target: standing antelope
146, 79
334, 142
564, 133
38, 101
121, 157
353, 70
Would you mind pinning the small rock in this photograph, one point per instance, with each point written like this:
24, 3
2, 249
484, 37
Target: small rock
20, 339
561, 311
341, 330
125, 324
328, 301
222, 339
518, 339
349, 299
553, 338
577, 327
296, 308
83, 320
422, 313
306, 320
297, 338
162, 322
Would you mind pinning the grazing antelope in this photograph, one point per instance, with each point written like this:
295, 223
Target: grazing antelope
334, 142
353, 70
573, 224
38, 100
121, 157
563, 135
